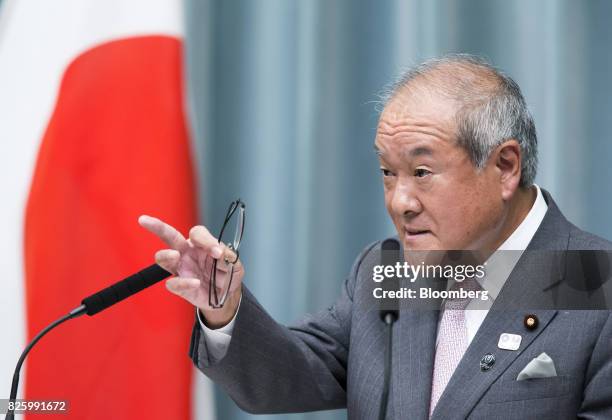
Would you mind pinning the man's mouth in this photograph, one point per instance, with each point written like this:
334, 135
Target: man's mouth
415, 233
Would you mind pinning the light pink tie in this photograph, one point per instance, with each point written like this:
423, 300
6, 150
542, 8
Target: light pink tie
452, 341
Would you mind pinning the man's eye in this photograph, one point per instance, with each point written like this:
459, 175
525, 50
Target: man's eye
386, 172
421, 173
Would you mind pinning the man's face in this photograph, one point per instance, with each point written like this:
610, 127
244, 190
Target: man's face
436, 197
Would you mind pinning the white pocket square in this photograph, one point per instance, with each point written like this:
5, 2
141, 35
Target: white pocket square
540, 367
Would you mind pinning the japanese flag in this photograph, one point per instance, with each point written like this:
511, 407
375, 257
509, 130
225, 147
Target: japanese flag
93, 131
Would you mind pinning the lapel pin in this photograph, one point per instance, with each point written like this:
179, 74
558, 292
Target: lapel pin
509, 341
487, 361
531, 322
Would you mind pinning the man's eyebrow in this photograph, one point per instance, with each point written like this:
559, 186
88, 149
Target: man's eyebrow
420, 151
417, 151
377, 151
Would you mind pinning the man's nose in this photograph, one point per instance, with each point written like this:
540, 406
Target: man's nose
405, 200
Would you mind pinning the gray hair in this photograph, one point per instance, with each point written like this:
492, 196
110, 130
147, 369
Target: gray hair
491, 107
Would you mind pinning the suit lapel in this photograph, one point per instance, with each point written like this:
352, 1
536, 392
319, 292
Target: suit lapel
413, 356
527, 281
413, 360
469, 383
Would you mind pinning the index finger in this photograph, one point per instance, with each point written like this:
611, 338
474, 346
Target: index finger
164, 231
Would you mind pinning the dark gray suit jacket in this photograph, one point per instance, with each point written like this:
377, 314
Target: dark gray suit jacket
334, 359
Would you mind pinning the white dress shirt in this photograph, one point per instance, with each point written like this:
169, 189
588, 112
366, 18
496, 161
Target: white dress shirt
217, 341
497, 269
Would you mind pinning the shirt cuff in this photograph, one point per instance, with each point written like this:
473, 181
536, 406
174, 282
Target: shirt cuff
218, 340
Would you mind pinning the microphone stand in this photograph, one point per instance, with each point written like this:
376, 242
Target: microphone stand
91, 305
389, 255
10, 414
389, 319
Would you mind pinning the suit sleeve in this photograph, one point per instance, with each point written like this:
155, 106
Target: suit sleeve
271, 368
597, 400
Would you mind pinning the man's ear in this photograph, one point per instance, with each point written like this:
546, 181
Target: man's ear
508, 164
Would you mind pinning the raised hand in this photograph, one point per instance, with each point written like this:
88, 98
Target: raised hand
190, 260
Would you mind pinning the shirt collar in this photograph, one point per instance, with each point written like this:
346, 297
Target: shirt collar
522, 235
498, 269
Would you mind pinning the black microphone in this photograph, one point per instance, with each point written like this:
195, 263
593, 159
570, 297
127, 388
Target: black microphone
91, 305
389, 313
389, 256
123, 289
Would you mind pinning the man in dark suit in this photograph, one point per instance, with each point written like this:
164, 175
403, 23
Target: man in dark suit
458, 154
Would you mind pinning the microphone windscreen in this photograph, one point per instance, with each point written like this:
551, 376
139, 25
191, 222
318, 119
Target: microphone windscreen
124, 289
390, 252
389, 256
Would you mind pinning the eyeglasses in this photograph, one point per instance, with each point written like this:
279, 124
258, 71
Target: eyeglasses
233, 227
